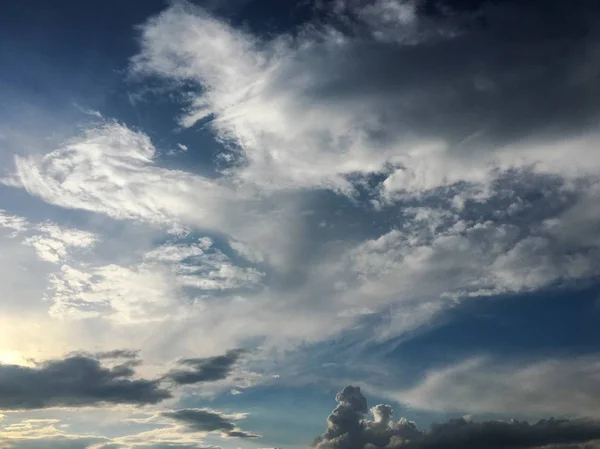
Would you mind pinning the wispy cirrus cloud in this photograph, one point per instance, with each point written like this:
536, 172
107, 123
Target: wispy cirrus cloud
530, 388
74, 382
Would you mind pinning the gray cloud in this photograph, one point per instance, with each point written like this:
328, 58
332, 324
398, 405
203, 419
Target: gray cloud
90, 443
347, 428
205, 420
117, 354
208, 369
74, 382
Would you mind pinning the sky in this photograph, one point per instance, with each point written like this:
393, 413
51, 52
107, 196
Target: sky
265, 224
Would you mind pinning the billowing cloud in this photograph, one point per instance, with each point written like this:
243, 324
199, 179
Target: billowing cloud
349, 429
205, 420
74, 382
205, 369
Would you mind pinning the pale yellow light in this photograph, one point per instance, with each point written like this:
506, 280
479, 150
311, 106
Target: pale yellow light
11, 358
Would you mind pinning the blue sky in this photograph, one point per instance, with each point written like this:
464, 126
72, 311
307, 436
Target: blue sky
220, 218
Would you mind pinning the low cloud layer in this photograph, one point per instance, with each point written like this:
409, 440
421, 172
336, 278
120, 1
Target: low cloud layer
75, 381
348, 428
81, 380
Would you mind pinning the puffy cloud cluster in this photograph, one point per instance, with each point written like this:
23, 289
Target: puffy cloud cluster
348, 429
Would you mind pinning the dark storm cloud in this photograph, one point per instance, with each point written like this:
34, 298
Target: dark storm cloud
74, 382
208, 369
348, 429
203, 420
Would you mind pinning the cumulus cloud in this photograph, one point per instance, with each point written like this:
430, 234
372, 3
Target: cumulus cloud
205, 369
205, 420
349, 429
74, 382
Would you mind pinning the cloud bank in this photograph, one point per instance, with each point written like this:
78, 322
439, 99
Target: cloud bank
347, 428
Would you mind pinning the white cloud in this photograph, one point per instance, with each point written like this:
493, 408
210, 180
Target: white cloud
164, 285
436, 257
110, 169
13, 222
551, 387
54, 243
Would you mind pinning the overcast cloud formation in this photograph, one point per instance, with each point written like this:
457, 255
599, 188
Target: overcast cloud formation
402, 194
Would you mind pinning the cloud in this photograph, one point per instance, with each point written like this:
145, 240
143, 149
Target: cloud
15, 223
162, 284
117, 354
205, 420
111, 169
205, 369
428, 95
483, 385
53, 243
348, 429
74, 382
53, 434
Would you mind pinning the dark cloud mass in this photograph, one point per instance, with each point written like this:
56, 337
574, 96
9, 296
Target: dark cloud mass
208, 369
511, 70
74, 382
204, 420
347, 428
